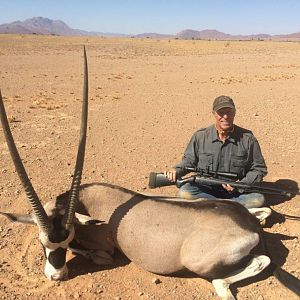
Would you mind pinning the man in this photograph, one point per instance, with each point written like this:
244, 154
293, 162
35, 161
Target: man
223, 147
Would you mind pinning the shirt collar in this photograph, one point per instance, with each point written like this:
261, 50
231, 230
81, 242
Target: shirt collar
215, 137
214, 134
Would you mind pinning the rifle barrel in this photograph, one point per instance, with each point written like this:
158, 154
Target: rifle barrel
243, 186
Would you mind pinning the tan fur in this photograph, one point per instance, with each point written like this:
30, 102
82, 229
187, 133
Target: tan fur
162, 235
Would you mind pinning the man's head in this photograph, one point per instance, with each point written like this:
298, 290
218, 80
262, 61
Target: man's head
224, 113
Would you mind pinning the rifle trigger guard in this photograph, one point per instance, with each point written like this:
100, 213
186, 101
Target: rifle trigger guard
181, 182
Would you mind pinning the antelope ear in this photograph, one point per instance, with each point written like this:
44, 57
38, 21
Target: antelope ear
26, 219
86, 220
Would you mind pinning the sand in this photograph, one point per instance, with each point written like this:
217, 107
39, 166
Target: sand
147, 97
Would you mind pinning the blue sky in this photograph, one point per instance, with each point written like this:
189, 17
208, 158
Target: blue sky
162, 16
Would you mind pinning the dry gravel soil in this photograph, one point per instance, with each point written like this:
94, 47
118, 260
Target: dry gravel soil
146, 99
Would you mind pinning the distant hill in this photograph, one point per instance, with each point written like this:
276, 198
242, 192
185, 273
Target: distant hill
288, 36
40, 25
203, 35
154, 36
211, 34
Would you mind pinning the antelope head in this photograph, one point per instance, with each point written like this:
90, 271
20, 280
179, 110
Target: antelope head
56, 231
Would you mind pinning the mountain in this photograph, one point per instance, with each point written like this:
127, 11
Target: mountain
210, 34
288, 36
40, 25
202, 35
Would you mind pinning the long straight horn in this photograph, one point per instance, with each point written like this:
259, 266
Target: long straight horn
74, 191
38, 210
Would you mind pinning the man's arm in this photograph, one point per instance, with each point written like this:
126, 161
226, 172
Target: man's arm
190, 159
258, 167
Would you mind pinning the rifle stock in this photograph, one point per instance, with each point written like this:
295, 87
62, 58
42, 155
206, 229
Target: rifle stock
158, 180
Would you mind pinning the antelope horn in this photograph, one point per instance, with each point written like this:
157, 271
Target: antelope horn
38, 210
74, 191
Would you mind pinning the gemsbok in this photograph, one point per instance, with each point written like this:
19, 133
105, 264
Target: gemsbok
219, 240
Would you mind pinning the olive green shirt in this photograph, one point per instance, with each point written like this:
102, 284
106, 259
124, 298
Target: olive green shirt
240, 153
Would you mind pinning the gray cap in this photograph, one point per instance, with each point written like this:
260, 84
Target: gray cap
223, 101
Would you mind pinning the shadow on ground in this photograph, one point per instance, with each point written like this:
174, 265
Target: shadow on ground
276, 251
79, 265
287, 185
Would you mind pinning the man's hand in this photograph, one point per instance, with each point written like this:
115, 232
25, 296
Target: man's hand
228, 188
171, 175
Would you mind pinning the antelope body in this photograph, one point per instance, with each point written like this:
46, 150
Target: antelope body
162, 234
216, 239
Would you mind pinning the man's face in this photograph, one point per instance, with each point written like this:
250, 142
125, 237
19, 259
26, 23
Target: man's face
224, 118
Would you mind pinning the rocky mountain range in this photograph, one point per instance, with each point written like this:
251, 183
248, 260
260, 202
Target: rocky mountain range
210, 34
40, 25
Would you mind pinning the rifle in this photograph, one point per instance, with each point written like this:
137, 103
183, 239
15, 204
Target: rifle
212, 178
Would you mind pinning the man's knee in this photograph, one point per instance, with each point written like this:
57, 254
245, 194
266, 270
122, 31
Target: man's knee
192, 192
185, 194
255, 200
187, 191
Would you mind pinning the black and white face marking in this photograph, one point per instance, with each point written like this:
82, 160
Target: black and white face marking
55, 247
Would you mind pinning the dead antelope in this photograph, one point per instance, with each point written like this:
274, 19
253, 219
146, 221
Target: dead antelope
218, 240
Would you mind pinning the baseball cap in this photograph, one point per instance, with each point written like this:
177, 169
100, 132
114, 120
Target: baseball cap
223, 101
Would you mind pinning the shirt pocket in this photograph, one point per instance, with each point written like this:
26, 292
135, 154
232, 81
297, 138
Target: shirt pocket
206, 161
238, 164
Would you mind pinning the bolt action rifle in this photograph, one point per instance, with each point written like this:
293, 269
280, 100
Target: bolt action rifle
211, 178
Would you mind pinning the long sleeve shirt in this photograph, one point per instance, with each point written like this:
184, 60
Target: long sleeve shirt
240, 153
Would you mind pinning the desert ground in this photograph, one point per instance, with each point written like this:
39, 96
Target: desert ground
147, 97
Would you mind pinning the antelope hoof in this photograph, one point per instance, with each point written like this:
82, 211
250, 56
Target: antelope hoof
222, 289
261, 213
100, 257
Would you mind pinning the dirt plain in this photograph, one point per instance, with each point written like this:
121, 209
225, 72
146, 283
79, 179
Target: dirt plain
146, 99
